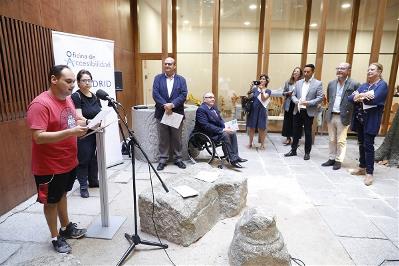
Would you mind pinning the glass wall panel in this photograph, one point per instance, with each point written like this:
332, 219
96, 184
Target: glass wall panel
150, 68
288, 22
149, 19
194, 45
280, 69
336, 40
388, 36
314, 27
197, 69
239, 35
359, 67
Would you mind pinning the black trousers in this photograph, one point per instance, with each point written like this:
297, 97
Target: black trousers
301, 119
87, 156
230, 145
366, 149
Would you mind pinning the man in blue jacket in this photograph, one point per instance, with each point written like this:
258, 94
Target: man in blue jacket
169, 92
209, 122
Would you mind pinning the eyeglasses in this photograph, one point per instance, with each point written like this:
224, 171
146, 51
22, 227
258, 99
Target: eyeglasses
341, 68
209, 97
168, 64
86, 80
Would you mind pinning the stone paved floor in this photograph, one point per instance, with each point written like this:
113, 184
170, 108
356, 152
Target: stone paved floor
326, 217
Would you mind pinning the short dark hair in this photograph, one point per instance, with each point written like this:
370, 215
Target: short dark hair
56, 71
310, 65
81, 73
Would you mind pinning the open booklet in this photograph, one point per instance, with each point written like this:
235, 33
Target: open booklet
231, 124
99, 128
95, 123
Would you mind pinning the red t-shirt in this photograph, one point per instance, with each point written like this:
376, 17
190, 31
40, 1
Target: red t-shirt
48, 113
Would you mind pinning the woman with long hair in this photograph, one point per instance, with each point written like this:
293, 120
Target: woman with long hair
288, 105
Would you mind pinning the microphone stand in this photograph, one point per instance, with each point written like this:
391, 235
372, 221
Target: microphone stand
135, 239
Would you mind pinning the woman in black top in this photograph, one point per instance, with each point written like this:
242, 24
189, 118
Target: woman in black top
87, 106
288, 105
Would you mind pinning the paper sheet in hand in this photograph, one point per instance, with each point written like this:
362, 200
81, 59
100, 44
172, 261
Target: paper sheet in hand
232, 124
98, 118
186, 191
172, 120
264, 103
367, 106
207, 176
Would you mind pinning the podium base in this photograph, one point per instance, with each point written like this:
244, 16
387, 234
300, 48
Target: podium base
96, 230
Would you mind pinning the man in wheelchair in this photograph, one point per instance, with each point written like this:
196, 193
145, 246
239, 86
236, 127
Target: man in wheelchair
209, 122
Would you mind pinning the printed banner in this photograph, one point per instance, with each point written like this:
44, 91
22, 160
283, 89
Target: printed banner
97, 56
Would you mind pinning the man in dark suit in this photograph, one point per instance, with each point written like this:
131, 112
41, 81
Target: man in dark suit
169, 92
307, 95
209, 122
339, 114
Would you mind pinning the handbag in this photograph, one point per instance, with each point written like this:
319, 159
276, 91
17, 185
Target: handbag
247, 103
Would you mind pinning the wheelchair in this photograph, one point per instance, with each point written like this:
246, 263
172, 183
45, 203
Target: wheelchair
201, 146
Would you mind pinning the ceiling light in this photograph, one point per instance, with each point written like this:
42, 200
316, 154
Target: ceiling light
185, 22
252, 7
345, 5
313, 25
177, 7
247, 23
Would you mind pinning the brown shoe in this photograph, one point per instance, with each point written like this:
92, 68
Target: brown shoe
368, 180
359, 171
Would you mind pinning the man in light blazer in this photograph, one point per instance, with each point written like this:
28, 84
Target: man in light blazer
169, 92
339, 114
307, 95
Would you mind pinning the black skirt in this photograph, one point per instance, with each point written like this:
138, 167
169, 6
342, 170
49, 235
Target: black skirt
288, 123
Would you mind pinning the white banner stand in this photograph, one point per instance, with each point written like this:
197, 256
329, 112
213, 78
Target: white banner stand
103, 227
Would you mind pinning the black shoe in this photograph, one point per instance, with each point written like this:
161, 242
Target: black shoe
61, 246
180, 164
337, 165
72, 231
241, 160
306, 156
161, 166
291, 153
236, 164
94, 184
328, 163
84, 193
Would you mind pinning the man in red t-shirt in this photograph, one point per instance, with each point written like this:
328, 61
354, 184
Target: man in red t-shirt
55, 127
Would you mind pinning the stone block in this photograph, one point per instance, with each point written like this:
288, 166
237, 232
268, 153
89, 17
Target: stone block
257, 241
184, 221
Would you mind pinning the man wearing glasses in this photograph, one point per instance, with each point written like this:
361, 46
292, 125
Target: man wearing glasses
209, 122
169, 92
339, 114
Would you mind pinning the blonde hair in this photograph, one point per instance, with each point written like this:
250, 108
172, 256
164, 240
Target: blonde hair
379, 66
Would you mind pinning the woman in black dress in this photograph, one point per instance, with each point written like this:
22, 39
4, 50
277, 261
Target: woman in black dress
288, 105
87, 106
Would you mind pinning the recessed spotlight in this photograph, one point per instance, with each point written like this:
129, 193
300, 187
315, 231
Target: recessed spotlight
252, 7
247, 23
345, 5
313, 25
185, 22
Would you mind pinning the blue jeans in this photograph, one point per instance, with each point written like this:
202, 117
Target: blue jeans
366, 150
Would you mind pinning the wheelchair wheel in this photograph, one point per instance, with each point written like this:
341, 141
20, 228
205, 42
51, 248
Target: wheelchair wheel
199, 142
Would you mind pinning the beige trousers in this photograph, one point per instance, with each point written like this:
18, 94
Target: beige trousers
337, 133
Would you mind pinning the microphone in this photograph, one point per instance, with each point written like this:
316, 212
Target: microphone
103, 95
